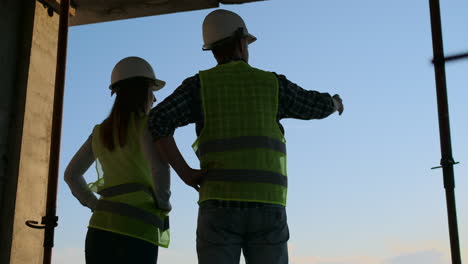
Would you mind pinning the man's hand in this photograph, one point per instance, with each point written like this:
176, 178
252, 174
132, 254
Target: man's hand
170, 152
339, 103
193, 177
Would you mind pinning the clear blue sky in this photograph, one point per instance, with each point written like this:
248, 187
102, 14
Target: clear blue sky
361, 190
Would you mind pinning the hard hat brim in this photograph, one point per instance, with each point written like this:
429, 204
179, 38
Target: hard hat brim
250, 39
158, 84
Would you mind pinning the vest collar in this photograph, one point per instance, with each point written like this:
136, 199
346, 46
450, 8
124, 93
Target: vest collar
231, 60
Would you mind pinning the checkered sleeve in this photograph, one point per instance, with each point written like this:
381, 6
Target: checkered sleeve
296, 102
175, 111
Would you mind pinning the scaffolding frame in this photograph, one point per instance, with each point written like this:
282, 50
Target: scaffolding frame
447, 161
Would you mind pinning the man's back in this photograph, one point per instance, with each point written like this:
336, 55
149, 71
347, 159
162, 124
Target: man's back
241, 144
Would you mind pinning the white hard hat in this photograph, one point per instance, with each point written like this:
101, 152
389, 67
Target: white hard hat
222, 24
130, 67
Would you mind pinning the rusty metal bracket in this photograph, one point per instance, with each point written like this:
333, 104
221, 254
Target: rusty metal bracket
50, 10
53, 6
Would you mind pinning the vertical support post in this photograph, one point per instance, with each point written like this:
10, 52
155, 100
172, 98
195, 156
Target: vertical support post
447, 161
50, 220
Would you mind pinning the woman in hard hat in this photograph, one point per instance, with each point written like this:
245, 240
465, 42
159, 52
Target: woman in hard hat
130, 219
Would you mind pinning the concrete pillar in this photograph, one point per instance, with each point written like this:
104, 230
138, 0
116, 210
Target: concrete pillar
25, 122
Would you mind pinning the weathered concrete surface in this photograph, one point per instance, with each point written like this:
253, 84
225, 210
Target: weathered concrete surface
27, 243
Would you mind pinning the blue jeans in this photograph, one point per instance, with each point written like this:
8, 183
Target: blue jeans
260, 231
108, 247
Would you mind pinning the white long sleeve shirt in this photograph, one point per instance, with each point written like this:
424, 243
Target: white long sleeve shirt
84, 158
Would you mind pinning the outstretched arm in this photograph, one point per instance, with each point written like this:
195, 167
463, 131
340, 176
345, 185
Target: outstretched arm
296, 102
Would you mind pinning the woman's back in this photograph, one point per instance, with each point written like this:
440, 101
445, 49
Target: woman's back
125, 163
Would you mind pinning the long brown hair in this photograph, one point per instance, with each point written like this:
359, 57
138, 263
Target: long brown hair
132, 97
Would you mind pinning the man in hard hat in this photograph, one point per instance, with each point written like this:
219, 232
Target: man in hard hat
241, 147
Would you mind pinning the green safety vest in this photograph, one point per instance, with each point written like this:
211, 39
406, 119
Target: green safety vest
127, 205
241, 143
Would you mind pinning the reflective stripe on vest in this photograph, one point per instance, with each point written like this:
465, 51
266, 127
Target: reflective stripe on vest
246, 176
128, 210
124, 189
243, 142
133, 212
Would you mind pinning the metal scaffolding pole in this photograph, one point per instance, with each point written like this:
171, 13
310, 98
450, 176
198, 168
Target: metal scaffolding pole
447, 161
51, 209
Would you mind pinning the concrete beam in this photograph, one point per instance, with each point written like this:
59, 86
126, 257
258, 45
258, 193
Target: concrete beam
95, 11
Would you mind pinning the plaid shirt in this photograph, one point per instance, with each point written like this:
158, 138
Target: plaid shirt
184, 106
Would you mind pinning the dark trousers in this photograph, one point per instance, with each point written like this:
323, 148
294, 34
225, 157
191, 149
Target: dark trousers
108, 247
